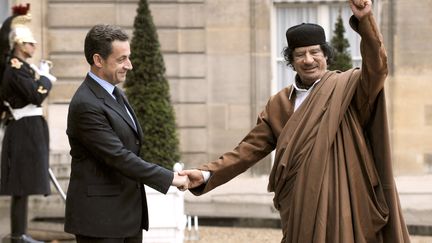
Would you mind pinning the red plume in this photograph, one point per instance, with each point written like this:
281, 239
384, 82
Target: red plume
20, 9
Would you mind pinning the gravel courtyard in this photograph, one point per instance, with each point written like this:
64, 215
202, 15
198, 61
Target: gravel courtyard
209, 234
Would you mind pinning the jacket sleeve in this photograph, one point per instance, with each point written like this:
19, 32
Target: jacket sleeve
374, 67
258, 143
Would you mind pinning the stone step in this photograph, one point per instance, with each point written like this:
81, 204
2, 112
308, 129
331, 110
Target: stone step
60, 157
49, 231
61, 171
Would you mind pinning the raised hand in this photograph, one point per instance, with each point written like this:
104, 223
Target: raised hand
361, 8
180, 181
195, 176
44, 70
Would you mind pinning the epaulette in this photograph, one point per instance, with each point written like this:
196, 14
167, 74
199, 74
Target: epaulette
15, 63
42, 90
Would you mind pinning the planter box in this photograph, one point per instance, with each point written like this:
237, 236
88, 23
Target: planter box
166, 216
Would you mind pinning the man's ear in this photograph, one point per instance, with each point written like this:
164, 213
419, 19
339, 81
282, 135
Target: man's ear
98, 60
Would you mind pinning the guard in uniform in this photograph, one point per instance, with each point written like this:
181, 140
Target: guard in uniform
25, 148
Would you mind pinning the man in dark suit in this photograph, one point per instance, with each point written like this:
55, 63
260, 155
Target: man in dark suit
106, 200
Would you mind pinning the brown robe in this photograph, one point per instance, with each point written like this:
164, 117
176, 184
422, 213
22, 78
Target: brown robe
332, 175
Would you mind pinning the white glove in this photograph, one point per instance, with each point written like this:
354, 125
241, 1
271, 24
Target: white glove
44, 66
44, 70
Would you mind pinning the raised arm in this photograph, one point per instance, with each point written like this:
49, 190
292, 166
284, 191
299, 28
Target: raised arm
374, 68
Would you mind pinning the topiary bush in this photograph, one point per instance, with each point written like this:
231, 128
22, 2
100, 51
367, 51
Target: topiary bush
342, 58
148, 92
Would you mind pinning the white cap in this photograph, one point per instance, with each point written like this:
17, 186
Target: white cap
21, 34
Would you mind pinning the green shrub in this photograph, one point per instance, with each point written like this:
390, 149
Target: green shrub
148, 92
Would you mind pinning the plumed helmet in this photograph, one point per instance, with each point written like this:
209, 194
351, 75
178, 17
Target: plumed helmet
14, 30
20, 32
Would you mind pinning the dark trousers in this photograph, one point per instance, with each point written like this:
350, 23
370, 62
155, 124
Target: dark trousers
133, 239
18, 215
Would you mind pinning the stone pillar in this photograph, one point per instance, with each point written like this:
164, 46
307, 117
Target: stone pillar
412, 129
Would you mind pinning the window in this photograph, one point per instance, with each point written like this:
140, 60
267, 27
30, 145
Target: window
287, 14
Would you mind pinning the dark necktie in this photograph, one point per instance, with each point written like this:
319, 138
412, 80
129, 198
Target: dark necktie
119, 97
120, 100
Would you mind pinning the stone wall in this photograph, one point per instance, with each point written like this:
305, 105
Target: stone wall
410, 87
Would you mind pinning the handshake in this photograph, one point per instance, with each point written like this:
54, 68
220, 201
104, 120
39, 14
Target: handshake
187, 179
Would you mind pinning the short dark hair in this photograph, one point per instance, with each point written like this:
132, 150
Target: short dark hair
326, 48
99, 40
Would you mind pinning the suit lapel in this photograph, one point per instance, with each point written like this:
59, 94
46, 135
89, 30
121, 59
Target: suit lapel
101, 93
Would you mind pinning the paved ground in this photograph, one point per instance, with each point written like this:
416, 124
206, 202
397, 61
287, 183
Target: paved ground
253, 235
207, 234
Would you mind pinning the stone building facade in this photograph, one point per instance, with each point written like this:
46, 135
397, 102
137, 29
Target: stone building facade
221, 60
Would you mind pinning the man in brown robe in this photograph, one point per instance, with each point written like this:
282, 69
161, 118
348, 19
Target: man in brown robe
332, 174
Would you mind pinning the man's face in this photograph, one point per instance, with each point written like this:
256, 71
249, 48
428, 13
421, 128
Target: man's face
26, 49
310, 63
115, 67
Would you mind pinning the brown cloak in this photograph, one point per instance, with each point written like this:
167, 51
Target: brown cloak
332, 174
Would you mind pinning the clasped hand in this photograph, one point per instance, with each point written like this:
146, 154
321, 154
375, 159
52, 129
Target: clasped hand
361, 8
188, 179
180, 181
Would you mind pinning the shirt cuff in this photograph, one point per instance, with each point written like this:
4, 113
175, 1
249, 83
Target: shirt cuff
206, 175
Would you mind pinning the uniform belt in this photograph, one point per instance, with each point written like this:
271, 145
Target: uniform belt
28, 110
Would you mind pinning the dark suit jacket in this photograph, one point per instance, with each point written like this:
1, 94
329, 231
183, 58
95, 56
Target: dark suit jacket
106, 197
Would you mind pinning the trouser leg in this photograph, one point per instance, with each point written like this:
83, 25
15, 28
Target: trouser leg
19, 215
